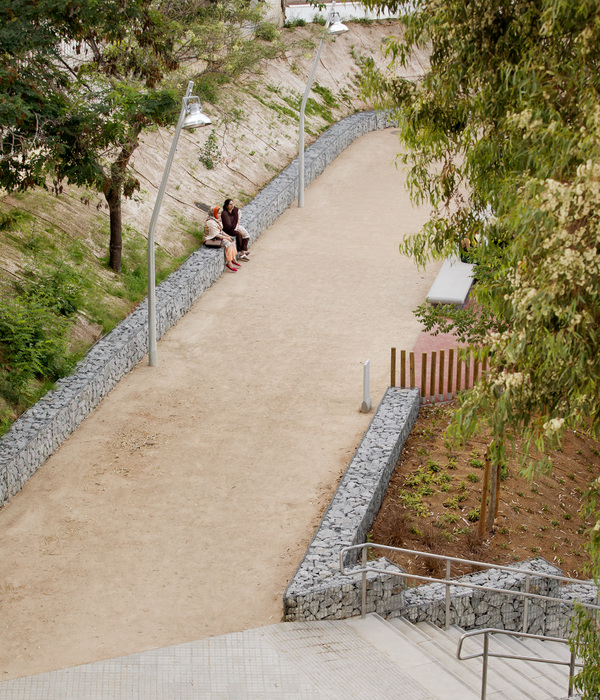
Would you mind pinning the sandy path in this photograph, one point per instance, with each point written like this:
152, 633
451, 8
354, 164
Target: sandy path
182, 505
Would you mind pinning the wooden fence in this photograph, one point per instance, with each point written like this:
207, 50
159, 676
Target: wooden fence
439, 375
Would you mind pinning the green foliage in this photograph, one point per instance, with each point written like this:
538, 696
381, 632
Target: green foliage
14, 219
33, 345
501, 134
267, 31
297, 22
585, 644
326, 95
210, 153
57, 287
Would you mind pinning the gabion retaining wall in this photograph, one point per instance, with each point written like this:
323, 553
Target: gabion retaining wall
473, 609
41, 429
318, 591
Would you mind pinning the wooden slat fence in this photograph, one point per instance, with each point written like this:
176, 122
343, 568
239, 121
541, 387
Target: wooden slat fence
439, 374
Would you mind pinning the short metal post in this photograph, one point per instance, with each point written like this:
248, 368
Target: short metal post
365, 407
526, 605
448, 565
571, 674
364, 582
485, 666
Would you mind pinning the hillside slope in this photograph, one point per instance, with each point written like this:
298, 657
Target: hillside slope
58, 243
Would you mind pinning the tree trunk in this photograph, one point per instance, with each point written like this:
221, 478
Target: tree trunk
115, 186
113, 197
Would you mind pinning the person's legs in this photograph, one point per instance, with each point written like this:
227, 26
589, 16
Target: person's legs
230, 255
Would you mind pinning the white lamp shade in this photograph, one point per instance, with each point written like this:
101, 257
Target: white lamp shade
195, 117
337, 27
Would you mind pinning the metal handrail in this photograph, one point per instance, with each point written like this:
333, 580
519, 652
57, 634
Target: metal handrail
486, 653
365, 568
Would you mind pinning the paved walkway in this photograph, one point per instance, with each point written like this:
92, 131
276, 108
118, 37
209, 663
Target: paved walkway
182, 505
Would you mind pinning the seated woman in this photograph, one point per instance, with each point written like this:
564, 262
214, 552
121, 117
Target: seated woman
230, 216
215, 237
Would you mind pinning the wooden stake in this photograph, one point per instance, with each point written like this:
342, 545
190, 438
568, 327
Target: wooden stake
484, 495
441, 384
494, 488
423, 377
393, 368
411, 359
432, 378
450, 368
403, 369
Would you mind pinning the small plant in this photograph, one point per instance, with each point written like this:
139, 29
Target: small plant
422, 452
503, 531
477, 463
296, 22
450, 518
319, 19
452, 463
433, 466
451, 502
545, 508
473, 515
554, 522
504, 472
521, 494
523, 528
473, 478
567, 516
413, 501
266, 31
534, 489
210, 153
503, 545
535, 550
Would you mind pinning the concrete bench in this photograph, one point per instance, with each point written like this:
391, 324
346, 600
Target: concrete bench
452, 284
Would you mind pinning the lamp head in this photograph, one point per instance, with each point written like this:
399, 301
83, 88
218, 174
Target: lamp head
195, 117
336, 26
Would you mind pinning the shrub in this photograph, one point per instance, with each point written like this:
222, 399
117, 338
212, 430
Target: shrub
266, 31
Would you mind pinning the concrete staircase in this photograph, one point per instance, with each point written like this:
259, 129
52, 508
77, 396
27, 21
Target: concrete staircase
346, 660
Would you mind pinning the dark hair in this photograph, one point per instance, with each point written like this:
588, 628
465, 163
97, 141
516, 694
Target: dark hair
227, 202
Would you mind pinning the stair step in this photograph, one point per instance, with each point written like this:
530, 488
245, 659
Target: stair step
412, 659
535, 648
444, 651
528, 677
499, 679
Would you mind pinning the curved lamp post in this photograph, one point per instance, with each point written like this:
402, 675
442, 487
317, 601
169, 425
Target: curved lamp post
333, 25
191, 117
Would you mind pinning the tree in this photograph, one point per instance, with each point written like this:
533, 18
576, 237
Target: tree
506, 118
84, 79
81, 83
502, 129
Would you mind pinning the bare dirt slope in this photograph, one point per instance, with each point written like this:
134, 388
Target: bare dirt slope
181, 507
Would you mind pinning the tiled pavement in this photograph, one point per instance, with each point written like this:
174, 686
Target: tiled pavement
312, 660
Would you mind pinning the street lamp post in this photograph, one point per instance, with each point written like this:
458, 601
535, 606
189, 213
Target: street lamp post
333, 25
191, 117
